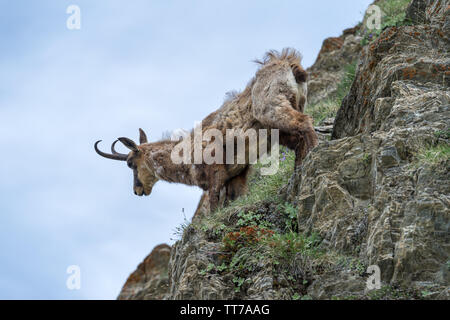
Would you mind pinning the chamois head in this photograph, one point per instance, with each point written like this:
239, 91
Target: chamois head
144, 176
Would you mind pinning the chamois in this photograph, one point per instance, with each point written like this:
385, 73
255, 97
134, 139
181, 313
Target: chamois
274, 99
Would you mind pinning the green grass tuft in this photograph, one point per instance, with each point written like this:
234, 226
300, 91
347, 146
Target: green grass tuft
266, 188
433, 155
328, 108
285, 246
395, 11
262, 190
394, 16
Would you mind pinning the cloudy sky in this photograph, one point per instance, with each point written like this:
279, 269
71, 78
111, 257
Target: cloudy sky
158, 65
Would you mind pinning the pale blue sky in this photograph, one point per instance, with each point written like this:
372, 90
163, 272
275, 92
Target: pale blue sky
158, 65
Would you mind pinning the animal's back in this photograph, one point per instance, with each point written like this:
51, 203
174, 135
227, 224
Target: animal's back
235, 113
279, 74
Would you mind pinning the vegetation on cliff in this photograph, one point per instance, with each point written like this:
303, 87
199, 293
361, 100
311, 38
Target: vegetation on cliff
328, 107
394, 15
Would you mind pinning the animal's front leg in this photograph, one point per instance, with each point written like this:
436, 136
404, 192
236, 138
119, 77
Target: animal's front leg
301, 150
237, 186
214, 198
279, 114
217, 176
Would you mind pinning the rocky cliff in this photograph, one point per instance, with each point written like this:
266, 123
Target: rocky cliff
376, 191
150, 280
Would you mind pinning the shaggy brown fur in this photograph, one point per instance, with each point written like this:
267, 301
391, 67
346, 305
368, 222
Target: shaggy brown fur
274, 99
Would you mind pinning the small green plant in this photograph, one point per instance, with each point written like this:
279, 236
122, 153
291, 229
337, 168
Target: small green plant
346, 82
210, 267
290, 213
395, 12
296, 296
328, 108
252, 219
179, 230
285, 246
433, 155
223, 267
442, 134
394, 16
239, 282
212, 225
425, 293
352, 263
366, 158
322, 110
262, 189
217, 230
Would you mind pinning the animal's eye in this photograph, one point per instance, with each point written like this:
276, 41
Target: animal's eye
130, 165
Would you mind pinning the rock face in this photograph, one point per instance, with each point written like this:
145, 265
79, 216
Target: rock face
418, 53
191, 256
327, 70
375, 192
150, 280
365, 195
188, 281
365, 192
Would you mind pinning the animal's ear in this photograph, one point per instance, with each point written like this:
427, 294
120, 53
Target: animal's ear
142, 136
300, 74
130, 144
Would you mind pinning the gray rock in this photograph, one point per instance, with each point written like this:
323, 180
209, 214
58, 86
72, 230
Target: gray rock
406, 206
150, 281
418, 53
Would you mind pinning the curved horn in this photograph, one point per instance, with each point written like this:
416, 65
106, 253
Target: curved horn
130, 144
142, 136
113, 150
121, 157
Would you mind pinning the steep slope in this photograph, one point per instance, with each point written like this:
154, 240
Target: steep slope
377, 193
